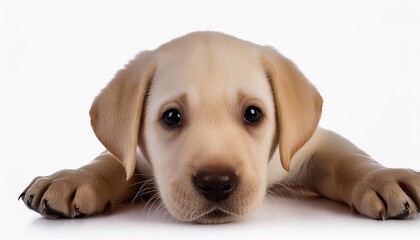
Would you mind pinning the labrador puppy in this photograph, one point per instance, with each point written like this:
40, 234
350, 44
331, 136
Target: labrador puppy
208, 122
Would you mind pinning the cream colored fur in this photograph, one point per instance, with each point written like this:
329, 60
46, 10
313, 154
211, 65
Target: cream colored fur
211, 78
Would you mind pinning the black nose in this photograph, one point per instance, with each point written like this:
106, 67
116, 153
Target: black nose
215, 184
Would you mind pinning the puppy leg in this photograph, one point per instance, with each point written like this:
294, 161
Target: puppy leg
92, 189
340, 171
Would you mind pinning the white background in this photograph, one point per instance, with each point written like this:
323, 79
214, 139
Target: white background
55, 56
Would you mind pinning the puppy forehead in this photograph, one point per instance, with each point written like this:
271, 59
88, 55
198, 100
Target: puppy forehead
210, 75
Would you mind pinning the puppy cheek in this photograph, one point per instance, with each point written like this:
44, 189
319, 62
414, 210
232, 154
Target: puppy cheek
166, 179
260, 193
183, 202
251, 194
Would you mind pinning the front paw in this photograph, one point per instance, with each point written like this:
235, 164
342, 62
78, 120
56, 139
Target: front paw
388, 194
69, 194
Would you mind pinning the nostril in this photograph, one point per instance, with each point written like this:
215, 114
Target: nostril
227, 188
206, 188
215, 184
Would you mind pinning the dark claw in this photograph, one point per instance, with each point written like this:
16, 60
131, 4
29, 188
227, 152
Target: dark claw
411, 193
22, 195
29, 202
405, 213
49, 212
77, 213
107, 208
382, 215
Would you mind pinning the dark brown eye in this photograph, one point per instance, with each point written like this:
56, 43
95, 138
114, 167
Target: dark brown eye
252, 115
171, 118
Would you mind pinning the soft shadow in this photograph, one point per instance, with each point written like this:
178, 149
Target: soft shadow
304, 201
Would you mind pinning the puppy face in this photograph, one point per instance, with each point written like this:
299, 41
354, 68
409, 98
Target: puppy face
210, 111
207, 111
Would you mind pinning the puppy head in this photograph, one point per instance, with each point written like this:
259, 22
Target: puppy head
202, 110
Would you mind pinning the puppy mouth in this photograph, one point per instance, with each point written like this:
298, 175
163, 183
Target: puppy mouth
216, 215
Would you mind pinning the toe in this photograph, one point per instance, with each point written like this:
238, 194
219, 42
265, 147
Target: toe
399, 204
371, 204
408, 210
50, 212
33, 195
88, 201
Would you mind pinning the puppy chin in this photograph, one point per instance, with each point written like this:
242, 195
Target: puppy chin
209, 214
216, 217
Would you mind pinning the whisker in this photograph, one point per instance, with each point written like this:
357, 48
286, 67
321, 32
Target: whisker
166, 213
151, 206
150, 191
161, 210
142, 174
297, 184
152, 198
137, 183
290, 190
274, 196
155, 214
145, 186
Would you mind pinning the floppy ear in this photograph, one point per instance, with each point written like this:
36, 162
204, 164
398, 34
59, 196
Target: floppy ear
116, 112
298, 104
